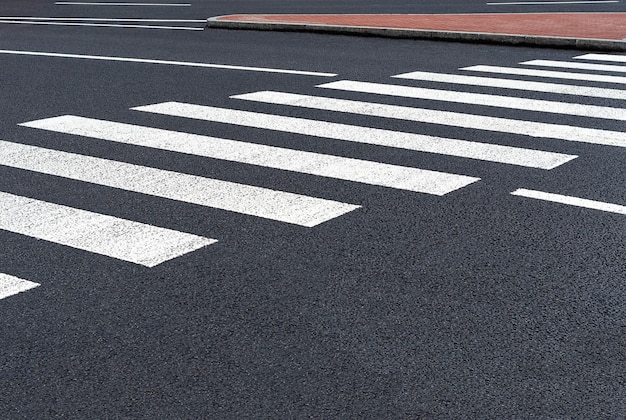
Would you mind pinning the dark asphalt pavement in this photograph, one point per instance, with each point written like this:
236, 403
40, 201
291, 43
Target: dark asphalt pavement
475, 304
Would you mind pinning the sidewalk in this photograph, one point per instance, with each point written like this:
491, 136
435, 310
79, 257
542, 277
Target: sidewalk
595, 31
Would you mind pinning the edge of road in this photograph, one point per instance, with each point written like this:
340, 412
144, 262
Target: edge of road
581, 43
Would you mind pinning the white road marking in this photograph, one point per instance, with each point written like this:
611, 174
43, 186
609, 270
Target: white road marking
454, 119
571, 201
78, 3
576, 65
245, 199
542, 3
603, 57
10, 285
93, 232
86, 19
99, 25
357, 134
373, 173
166, 62
549, 74
515, 84
536, 105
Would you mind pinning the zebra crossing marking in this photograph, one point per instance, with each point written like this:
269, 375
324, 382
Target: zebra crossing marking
255, 201
367, 172
512, 102
603, 57
366, 135
576, 65
454, 119
11, 285
571, 201
113, 237
548, 74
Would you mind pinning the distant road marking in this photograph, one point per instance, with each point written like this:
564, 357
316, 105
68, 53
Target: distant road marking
74, 19
572, 201
576, 65
481, 99
523, 3
93, 232
245, 199
367, 172
548, 73
453, 119
603, 57
366, 135
77, 3
99, 25
10, 285
166, 62
515, 84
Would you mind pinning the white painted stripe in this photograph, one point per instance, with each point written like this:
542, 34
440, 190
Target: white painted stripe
100, 25
454, 119
535, 105
603, 57
357, 134
93, 232
245, 199
84, 19
576, 65
544, 3
77, 3
373, 173
571, 201
10, 285
166, 62
548, 73
515, 84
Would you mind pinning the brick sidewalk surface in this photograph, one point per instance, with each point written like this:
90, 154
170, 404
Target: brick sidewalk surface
603, 26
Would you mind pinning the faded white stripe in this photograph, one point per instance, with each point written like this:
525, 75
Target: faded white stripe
245, 199
603, 57
99, 25
576, 65
454, 119
101, 234
548, 74
515, 84
10, 285
525, 104
571, 201
409, 141
337, 167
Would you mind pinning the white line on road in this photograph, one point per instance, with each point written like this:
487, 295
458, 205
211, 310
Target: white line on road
603, 57
515, 84
523, 3
366, 135
99, 25
10, 285
245, 199
93, 232
453, 119
548, 73
77, 3
572, 201
373, 173
166, 62
74, 19
576, 65
535, 105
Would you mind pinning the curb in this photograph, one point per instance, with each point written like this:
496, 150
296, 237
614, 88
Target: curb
431, 35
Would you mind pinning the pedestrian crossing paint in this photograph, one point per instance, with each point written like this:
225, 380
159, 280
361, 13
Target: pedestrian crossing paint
603, 57
10, 285
367, 172
481, 99
358, 134
576, 65
97, 233
548, 74
557, 88
571, 201
239, 198
455, 119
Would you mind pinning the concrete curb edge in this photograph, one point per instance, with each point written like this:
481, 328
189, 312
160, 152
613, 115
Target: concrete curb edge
432, 35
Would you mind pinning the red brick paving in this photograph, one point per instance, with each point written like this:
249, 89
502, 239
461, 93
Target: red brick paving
609, 26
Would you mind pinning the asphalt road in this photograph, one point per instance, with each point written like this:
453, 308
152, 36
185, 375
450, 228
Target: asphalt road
472, 304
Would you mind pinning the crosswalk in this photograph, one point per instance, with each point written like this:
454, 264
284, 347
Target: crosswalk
149, 246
